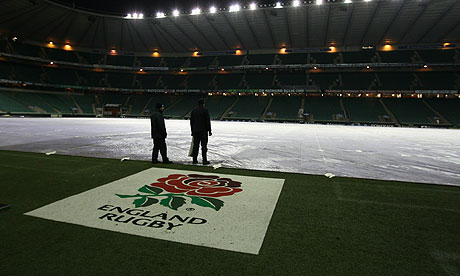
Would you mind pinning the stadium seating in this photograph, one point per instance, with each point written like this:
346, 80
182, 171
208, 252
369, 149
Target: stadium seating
175, 62
92, 78
113, 98
120, 80
137, 103
324, 109
292, 79
357, 81
325, 80
229, 81
149, 61
120, 60
9, 104
182, 105
284, 108
35, 102
233, 60
157, 98
217, 105
5, 70
28, 73
148, 81
396, 81
411, 111
397, 56
199, 81
262, 80
175, 81
263, 59
27, 49
358, 57
61, 76
61, 55
201, 61
57, 102
91, 58
327, 58
86, 102
248, 108
365, 110
449, 108
438, 80
437, 55
293, 58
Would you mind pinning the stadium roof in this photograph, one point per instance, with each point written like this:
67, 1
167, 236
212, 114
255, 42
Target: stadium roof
309, 25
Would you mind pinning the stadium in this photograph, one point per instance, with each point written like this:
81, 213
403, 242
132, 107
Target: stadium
335, 146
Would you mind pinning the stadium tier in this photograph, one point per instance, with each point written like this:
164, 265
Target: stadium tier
366, 111
324, 109
285, 108
248, 108
413, 112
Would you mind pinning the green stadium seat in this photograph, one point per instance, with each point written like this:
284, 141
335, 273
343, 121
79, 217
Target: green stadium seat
262, 80
217, 105
357, 81
410, 111
365, 110
434, 56
248, 108
449, 108
284, 108
324, 109
229, 81
293, 58
9, 104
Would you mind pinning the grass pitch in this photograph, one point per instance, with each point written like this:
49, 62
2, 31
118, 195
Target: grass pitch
321, 226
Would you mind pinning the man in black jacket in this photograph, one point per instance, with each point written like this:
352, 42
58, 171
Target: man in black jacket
200, 124
158, 132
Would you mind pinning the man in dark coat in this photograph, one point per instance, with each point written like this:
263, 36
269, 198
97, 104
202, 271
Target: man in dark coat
158, 132
200, 124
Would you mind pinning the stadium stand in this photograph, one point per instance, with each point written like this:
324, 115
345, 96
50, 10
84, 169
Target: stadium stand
92, 78
230, 60
325, 80
149, 61
91, 58
397, 56
27, 50
61, 55
27, 73
284, 108
248, 108
182, 105
5, 70
292, 79
437, 80
366, 110
11, 105
120, 60
324, 109
437, 55
155, 98
35, 102
137, 103
147, 81
199, 81
60, 76
176, 62
262, 80
229, 81
396, 81
449, 108
202, 61
357, 81
293, 58
326, 58
358, 57
410, 111
120, 80
262, 59
217, 105
58, 102
86, 103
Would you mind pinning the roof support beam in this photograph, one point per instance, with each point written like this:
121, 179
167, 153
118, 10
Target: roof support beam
85, 33
216, 31
159, 41
326, 33
196, 44
398, 12
447, 33
30, 32
307, 26
96, 33
121, 33
136, 32
370, 22
270, 32
58, 24
413, 23
347, 30
104, 30
20, 13
131, 37
234, 32
288, 27
201, 33
253, 34
161, 31
67, 29
437, 20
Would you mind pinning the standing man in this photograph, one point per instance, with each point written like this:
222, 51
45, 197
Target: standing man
158, 131
200, 125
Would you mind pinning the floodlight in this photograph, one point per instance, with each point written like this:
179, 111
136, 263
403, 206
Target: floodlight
295, 3
129, 15
278, 5
212, 9
160, 15
175, 13
196, 11
234, 8
319, 2
347, 1
252, 6
141, 16
135, 15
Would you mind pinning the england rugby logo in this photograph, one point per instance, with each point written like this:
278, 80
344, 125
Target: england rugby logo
174, 190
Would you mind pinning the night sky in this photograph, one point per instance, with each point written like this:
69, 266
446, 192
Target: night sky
152, 6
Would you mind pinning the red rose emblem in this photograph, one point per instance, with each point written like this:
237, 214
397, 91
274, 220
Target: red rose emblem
198, 185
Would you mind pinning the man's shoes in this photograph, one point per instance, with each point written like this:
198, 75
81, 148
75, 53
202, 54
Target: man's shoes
168, 162
155, 162
195, 162
206, 163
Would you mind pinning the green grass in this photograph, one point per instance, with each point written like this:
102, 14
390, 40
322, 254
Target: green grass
321, 226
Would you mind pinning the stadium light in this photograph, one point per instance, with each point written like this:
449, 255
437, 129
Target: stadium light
51, 43
52, 62
129, 15
141, 70
196, 11
141, 16
295, 3
347, 1
68, 47
425, 66
156, 54
278, 5
175, 13
252, 6
319, 2
135, 15
160, 15
234, 8
212, 9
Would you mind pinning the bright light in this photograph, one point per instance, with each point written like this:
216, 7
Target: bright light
238, 52
113, 52
135, 15
160, 15
212, 9
176, 13
156, 54
182, 70
51, 62
51, 43
252, 6
278, 5
425, 66
319, 2
196, 11
129, 16
141, 16
196, 53
368, 68
234, 8
141, 70
67, 47
387, 47
283, 50
295, 3
347, 1
332, 49
222, 69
